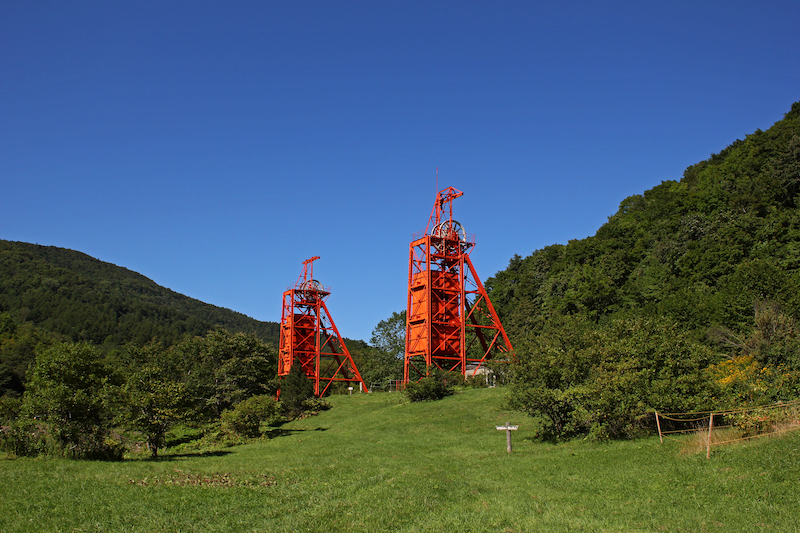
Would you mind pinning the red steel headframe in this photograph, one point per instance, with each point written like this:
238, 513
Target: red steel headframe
308, 335
450, 321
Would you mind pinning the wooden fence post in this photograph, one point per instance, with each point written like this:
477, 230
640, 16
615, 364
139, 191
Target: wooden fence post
710, 429
660, 436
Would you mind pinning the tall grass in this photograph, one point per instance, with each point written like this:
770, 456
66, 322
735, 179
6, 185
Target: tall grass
378, 463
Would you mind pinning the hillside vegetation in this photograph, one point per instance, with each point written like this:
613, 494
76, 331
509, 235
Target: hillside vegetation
685, 299
84, 299
699, 251
378, 463
50, 294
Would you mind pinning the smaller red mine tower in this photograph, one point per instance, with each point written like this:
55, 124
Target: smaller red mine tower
309, 336
450, 321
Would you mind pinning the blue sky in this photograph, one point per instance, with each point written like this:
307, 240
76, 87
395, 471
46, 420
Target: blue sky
214, 146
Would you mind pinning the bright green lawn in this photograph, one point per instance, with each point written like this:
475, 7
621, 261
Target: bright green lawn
377, 463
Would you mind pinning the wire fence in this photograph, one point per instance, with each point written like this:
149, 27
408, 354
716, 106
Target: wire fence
389, 385
715, 428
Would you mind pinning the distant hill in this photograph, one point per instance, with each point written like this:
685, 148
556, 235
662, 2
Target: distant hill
702, 251
80, 298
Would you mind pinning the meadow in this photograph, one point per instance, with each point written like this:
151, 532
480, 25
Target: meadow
379, 463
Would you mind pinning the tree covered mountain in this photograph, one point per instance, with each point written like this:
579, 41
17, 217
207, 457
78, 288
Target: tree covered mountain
700, 250
686, 299
80, 298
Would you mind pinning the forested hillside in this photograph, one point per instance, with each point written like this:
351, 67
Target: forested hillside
84, 299
50, 294
700, 250
699, 271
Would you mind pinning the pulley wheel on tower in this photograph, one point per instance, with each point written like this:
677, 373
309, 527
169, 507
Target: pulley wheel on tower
450, 230
311, 289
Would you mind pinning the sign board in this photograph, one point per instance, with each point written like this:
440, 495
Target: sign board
508, 428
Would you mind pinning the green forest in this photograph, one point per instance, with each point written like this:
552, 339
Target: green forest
50, 294
685, 300
85, 299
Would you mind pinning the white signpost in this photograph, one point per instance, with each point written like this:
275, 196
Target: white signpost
508, 428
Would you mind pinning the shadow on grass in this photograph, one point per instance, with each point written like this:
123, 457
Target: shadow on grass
271, 433
281, 432
184, 455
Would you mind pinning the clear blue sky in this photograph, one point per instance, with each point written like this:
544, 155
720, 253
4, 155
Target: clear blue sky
214, 146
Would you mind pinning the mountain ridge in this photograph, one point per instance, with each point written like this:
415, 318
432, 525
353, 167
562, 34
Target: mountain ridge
86, 299
701, 250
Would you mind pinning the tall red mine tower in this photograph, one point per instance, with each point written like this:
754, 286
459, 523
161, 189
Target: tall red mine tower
450, 321
309, 336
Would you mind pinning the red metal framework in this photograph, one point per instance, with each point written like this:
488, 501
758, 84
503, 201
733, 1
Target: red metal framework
309, 336
450, 321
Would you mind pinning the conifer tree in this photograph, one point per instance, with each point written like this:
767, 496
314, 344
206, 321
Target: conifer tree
295, 389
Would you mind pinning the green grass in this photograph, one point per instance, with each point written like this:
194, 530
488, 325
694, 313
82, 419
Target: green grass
377, 463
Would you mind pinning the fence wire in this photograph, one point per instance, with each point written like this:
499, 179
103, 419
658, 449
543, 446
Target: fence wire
731, 425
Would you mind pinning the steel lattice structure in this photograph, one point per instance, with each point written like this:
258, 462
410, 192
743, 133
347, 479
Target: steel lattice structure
309, 336
450, 321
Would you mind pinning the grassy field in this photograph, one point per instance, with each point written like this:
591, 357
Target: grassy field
377, 463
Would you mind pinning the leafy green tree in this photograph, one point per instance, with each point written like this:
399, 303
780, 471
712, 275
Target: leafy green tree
18, 345
70, 390
606, 381
389, 335
383, 359
155, 394
227, 368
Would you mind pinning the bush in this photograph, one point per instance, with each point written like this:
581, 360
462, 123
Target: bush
315, 405
246, 417
25, 438
435, 386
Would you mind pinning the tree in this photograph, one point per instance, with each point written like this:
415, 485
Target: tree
389, 335
69, 389
295, 389
383, 360
603, 380
155, 394
18, 345
227, 368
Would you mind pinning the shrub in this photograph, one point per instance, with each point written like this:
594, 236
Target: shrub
315, 405
246, 417
435, 386
25, 438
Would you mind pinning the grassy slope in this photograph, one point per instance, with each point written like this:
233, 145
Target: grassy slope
376, 463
